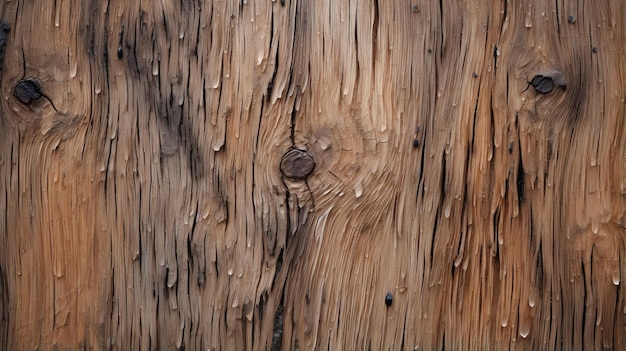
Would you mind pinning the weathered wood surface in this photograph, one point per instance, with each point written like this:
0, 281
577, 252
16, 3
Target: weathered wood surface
145, 207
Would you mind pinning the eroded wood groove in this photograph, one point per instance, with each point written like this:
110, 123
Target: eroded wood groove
145, 207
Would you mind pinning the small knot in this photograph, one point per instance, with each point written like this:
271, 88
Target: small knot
544, 83
388, 299
27, 90
297, 164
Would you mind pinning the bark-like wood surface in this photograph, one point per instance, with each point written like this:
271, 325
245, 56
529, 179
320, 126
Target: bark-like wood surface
312, 174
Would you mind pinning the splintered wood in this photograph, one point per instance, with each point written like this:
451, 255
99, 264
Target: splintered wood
456, 178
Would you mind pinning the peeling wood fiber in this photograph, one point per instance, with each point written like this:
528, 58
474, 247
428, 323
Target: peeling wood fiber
144, 205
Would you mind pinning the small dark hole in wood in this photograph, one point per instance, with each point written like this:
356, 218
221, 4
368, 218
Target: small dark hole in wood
474, 74
594, 49
388, 299
27, 90
571, 19
545, 83
415, 8
120, 53
416, 143
542, 84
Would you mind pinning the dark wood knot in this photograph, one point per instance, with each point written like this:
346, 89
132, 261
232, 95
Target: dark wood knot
544, 83
27, 90
297, 164
388, 299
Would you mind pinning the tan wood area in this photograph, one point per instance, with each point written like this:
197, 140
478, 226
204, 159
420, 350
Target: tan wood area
313, 174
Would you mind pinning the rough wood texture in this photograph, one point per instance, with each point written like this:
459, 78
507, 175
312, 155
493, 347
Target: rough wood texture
145, 207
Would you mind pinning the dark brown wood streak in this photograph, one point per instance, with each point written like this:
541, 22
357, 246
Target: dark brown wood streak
5, 28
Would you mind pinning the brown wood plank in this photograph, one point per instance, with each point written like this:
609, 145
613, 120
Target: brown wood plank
462, 185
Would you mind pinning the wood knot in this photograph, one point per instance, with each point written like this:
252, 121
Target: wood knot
297, 164
544, 83
27, 90
388, 299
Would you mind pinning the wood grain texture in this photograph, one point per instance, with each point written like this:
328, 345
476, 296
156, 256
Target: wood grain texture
145, 206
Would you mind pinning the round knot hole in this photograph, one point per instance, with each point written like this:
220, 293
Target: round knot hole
544, 83
27, 90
